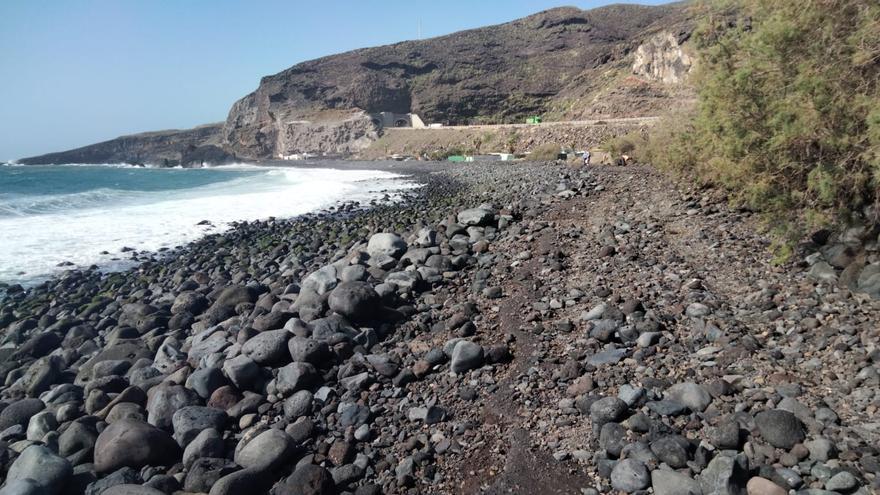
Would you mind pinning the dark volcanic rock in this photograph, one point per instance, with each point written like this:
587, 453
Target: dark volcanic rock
781, 428
357, 301
265, 452
190, 420
306, 479
135, 444
164, 148
20, 412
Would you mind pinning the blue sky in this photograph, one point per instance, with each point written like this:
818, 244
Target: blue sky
77, 72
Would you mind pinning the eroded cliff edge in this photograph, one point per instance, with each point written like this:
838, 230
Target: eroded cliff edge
564, 63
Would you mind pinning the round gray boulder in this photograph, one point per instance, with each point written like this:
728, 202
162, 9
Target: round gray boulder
20, 412
190, 420
298, 404
695, 397
476, 216
308, 350
164, 400
630, 475
780, 428
357, 301
466, 355
295, 376
133, 443
386, 243
606, 410
267, 451
269, 347
40, 464
306, 479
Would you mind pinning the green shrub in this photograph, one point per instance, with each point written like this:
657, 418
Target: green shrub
511, 142
444, 153
544, 152
788, 114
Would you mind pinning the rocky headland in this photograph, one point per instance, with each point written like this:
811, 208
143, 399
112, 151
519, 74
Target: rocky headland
565, 64
518, 329
162, 148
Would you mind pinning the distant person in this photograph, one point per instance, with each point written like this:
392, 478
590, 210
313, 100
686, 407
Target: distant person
587, 157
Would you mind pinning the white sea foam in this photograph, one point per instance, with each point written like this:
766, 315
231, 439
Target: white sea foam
38, 233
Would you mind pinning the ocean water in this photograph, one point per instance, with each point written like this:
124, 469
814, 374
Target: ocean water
84, 215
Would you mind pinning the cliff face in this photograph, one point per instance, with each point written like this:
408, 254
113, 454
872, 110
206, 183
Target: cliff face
661, 58
494, 74
166, 148
565, 64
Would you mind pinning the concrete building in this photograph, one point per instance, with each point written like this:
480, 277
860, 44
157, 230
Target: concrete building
391, 119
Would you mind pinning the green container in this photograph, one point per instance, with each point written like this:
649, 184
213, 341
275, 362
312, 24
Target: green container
460, 158
534, 120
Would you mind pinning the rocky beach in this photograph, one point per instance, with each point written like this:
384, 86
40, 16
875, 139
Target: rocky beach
523, 328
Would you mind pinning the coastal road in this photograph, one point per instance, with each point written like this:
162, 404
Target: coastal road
625, 120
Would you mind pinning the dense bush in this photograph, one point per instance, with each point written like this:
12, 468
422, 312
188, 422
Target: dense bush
788, 115
544, 152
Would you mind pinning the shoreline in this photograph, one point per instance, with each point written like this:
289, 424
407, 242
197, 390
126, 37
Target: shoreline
131, 257
503, 329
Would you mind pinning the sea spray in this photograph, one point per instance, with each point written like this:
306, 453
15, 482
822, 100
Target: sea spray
55, 216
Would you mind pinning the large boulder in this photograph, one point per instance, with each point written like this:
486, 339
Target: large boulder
320, 281
269, 347
205, 381
630, 475
241, 370
267, 451
466, 355
20, 412
308, 350
133, 443
295, 376
725, 475
242, 481
227, 300
667, 482
476, 216
387, 244
306, 479
122, 351
40, 464
165, 400
203, 473
189, 421
208, 443
41, 374
695, 397
236, 294
309, 304
780, 428
357, 301
189, 302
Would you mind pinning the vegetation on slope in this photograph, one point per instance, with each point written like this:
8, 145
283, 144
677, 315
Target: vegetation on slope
788, 115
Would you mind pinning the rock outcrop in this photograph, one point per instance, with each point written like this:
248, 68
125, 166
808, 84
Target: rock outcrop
190, 147
662, 58
494, 74
562, 63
